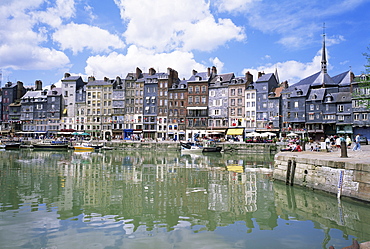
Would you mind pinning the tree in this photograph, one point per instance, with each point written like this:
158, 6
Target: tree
362, 93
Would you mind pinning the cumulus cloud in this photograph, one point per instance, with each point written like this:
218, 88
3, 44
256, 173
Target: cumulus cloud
76, 37
169, 25
22, 36
116, 64
292, 70
297, 22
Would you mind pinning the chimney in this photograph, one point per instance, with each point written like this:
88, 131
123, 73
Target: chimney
66, 75
285, 84
138, 73
214, 71
259, 75
152, 71
38, 85
248, 77
52, 87
194, 72
91, 78
209, 72
106, 79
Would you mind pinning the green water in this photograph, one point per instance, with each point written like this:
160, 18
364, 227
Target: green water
120, 199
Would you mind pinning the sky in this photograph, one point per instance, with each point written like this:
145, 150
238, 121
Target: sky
43, 39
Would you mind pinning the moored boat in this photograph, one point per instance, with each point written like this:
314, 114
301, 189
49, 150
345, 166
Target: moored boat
51, 145
11, 145
83, 147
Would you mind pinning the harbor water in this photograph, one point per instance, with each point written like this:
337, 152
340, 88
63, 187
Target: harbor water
147, 199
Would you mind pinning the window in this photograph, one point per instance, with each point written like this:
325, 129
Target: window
311, 116
340, 117
356, 117
296, 103
364, 116
340, 108
312, 107
190, 100
232, 92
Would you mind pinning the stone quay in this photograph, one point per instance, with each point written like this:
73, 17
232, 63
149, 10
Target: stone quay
327, 171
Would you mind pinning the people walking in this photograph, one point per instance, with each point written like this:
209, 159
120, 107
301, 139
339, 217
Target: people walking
357, 143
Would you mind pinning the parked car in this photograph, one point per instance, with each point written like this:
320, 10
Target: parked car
363, 140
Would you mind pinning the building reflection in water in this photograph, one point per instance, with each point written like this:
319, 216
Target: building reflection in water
162, 190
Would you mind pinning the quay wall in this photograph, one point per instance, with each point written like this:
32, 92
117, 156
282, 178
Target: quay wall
347, 176
227, 147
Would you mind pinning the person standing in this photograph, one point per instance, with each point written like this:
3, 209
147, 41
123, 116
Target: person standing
348, 141
357, 143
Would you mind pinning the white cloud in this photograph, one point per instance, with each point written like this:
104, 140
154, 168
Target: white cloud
22, 35
217, 63
116, 64
292, 71
28, 57
234, 5
76, 37
297, 22
169, 25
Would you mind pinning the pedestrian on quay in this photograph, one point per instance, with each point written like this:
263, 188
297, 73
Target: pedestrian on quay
357, 143
348, 141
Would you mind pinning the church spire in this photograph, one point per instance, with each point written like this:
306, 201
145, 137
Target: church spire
323, 58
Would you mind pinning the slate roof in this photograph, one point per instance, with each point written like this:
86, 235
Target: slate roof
341, 97
316, 94
223, 78
202, 75
343, 79
265, 77
99, 83
72, 78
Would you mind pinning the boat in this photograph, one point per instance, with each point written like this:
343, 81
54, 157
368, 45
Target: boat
198, 148
51, 145
191, 148
83, 147
10, 145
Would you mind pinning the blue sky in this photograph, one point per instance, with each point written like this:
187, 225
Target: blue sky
43, 39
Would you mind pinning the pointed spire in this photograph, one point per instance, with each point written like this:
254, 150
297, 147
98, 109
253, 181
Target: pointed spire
323, 58
276, 75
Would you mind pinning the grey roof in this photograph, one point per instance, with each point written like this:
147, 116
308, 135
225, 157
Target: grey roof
99, 83
227, 77
33, 94
341, 97
297, 90
202, 75
316, 94
323, 79
72, 78
265, 77
343, 79
57, 89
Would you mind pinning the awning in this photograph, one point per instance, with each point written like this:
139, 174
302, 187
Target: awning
235, 132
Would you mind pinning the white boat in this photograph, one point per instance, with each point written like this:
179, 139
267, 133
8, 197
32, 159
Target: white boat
197, 148
191, 148
83, 147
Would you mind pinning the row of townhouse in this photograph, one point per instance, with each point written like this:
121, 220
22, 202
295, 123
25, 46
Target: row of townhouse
159, 105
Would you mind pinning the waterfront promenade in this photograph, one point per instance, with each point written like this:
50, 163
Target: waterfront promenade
362, 156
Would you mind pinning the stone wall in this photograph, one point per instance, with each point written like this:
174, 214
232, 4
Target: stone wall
324, 175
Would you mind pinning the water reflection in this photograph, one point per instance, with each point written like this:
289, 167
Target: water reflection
147, 195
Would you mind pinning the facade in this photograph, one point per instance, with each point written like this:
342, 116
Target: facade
197, 108
70, 86
150, 103
218, 121
11, 93
118, 108
157, 105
